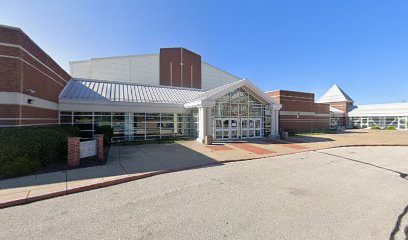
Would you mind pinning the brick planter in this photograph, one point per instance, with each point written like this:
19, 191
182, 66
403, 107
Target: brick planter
99, 146
73, 151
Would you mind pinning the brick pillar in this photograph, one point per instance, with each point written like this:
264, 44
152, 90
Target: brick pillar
73, 151
99, 146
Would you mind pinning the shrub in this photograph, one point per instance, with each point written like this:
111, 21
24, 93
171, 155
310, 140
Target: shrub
20, 166
24, 150
107, 132
391, 128
375, 127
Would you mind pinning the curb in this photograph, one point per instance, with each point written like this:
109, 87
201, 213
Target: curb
26, 200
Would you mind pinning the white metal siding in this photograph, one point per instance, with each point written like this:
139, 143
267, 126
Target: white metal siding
142, 69
145, 69
81, 69
212, 77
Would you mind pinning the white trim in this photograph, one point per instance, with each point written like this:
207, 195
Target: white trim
292, 113
31, 55
15, 98
131, 107
280, 95
13, 57
27, 125
1, 119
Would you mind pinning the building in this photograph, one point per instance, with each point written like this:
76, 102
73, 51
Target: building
300, 113
154, 96
172, 94
30, 81
346, 114
166, 95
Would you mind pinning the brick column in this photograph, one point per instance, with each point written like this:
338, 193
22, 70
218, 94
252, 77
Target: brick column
73, 151
99, 146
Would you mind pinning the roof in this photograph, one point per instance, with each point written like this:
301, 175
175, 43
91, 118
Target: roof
390, 109
86, 91
335, 110
98, 90
209, 97
335, 94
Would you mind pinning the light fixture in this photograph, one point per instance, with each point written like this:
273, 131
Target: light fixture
30, 101
29, 90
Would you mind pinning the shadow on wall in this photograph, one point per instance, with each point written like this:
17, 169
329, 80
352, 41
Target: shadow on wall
131, 159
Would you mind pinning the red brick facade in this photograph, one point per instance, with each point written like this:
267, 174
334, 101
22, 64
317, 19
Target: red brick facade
25, 69
180, 67
300, 113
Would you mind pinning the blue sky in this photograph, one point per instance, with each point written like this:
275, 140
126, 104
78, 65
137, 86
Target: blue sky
293, 45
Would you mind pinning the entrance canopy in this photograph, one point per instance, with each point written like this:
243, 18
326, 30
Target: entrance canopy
208, 98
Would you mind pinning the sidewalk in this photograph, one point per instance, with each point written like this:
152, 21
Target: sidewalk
127, 163
124, 164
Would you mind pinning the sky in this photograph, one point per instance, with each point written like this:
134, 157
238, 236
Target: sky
362, 46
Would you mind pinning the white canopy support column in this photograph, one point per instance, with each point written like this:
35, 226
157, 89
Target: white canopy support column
275, 120
204, 123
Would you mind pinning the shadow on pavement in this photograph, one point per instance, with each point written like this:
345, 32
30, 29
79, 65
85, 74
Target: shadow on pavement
122, 160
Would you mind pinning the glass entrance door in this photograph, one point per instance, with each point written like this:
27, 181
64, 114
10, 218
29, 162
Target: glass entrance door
226, 128
251, 127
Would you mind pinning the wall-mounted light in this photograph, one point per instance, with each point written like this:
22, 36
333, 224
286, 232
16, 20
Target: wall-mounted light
298, 115
29, 90
30, 101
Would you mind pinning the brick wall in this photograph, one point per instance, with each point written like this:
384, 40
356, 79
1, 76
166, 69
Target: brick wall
343, 106
24, 65
300, 113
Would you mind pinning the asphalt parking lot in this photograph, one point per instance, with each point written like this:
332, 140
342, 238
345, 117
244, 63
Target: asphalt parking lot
343, 193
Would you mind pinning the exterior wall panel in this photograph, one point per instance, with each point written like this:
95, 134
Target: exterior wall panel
213, 77
27, 72
154, 70
300, 113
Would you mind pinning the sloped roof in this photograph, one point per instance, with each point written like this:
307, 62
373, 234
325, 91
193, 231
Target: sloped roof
335, 110
217, 90
98, 90
335, 94
211, 95
390, 109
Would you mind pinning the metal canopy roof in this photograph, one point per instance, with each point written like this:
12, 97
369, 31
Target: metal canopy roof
86, 90
373, 110
335, 94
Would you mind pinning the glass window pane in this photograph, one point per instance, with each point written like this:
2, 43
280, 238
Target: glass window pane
82, 119
66, 119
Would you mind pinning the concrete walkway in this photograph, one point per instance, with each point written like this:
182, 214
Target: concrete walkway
127, 163
124, 164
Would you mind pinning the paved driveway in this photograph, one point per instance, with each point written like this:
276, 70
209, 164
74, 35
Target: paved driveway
345, 193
